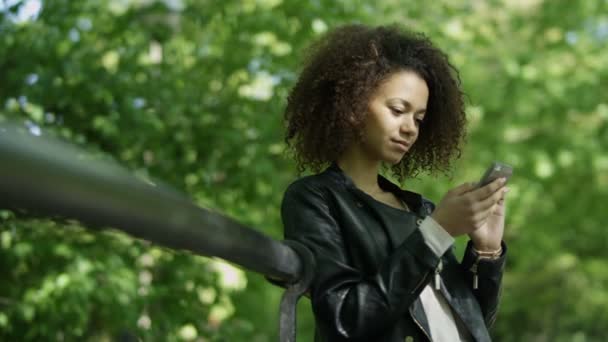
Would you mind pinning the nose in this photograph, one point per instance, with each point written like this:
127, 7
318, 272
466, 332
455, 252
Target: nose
408, 126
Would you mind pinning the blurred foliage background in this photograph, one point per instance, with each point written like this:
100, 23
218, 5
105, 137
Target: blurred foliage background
192, 92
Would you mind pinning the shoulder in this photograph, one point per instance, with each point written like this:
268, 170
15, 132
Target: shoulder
306, 203
320, 184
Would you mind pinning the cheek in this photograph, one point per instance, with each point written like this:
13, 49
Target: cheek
370, 126
393, 126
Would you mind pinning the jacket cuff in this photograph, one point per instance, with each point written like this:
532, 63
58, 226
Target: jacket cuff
435, 237
488, 268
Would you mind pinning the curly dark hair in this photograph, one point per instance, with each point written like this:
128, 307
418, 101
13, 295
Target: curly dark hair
327, 106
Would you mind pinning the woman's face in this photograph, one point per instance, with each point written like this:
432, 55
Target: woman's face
396, 110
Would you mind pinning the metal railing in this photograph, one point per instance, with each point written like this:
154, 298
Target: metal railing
44, 175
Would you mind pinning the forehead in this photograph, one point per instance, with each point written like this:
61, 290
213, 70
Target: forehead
406, 85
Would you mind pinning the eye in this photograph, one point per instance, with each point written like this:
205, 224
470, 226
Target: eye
396, 111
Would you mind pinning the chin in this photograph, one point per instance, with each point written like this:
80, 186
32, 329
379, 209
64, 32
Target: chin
394, 159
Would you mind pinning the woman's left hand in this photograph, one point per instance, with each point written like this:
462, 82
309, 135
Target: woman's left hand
489, 236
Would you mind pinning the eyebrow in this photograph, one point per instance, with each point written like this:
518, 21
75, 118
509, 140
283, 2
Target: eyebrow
407, 103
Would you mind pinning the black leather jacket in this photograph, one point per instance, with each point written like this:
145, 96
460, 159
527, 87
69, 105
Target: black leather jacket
370, 274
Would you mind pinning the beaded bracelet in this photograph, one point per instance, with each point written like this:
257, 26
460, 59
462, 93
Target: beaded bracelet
489, 255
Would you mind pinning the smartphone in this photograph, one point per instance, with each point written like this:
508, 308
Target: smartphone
496, 170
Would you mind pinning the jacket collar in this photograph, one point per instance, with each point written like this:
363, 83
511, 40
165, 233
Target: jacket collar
414, 200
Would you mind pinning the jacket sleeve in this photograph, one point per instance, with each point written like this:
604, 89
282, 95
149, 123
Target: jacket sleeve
347, 303
489, 283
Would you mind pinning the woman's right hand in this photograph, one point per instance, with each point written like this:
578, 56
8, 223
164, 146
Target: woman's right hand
465, 208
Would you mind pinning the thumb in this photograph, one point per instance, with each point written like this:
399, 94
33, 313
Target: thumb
464, 188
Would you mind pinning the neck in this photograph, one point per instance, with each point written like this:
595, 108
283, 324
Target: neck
363, 171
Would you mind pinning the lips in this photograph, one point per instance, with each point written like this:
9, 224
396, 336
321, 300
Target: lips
402, 144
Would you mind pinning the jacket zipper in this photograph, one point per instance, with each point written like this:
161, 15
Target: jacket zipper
473, 269
437, 275
419, 325
428, 335
420, 283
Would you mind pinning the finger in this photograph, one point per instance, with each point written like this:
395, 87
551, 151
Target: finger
463, 188
499, 209
487, 203
505, 190
485, 214
488, 190
503, 199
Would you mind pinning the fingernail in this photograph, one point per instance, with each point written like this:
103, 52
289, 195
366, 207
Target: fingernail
503, 180
506, 190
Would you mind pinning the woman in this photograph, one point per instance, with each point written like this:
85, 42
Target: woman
381, 98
